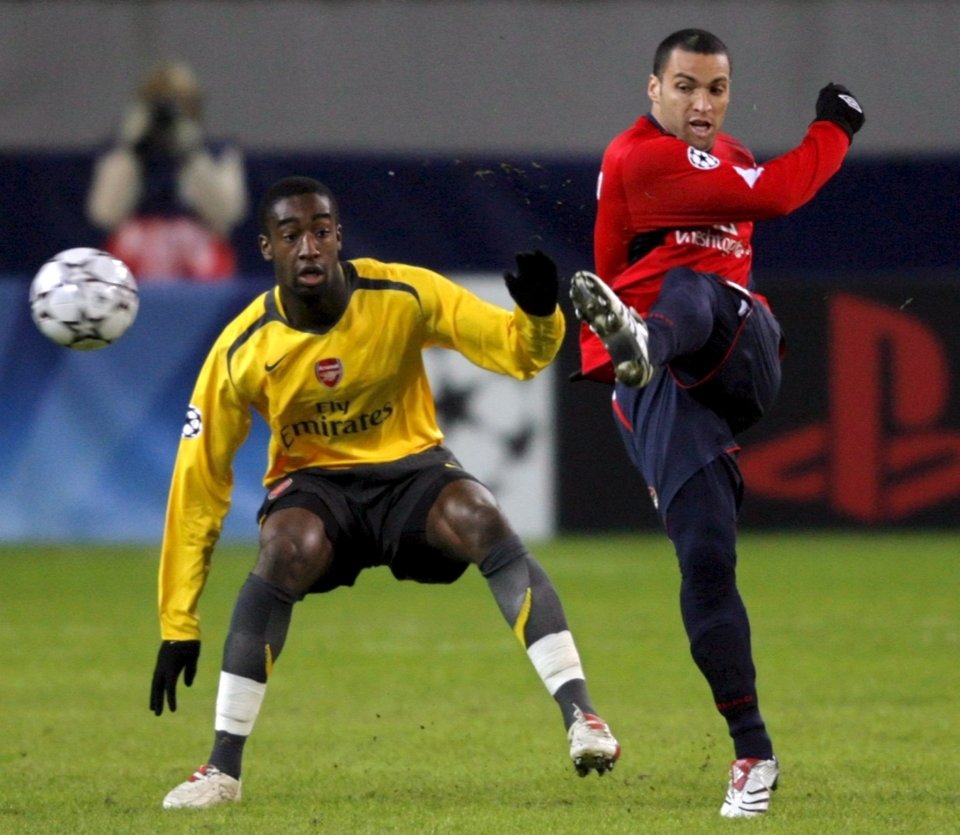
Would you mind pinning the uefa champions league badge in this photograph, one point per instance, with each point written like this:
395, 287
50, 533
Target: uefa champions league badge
701, 159
193, 423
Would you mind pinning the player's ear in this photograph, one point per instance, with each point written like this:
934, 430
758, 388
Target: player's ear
265, 249
653, 88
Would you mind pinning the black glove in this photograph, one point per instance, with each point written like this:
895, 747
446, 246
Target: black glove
173, 657
535, 286
838, 105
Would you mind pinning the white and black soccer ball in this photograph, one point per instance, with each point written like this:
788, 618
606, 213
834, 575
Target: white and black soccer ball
84, 298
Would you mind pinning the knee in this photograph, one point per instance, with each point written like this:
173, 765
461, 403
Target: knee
688, 301
294, 550
488, 524
465, 521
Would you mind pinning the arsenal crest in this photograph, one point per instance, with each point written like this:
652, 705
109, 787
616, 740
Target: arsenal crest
329, 372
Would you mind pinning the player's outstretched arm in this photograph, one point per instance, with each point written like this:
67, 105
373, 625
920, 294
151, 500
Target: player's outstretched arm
838, 105
173, 658
535, 285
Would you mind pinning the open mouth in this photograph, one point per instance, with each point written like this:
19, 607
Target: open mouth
700, 128
310, 275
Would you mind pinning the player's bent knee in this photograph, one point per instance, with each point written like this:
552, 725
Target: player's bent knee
294, 549
466, 521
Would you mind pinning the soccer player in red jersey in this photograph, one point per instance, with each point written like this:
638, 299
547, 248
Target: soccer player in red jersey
671, 320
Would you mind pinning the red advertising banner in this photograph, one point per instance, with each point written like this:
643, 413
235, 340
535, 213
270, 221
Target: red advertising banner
865, 433
868, 430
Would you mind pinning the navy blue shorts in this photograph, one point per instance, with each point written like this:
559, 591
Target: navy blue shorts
692, 410
375, 515
737, 373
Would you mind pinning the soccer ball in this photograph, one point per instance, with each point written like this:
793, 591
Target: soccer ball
84, 298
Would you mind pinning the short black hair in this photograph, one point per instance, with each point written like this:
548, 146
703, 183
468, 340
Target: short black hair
289, 187
689, 40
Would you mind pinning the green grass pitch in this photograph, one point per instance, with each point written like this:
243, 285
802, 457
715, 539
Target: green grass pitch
398, 708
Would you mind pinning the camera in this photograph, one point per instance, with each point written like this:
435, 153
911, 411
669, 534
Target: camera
165, 114
162, 134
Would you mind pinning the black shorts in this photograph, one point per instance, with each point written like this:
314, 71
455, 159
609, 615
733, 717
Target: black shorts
375, 515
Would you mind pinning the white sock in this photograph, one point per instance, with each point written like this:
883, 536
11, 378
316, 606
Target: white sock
238, 703
556, 660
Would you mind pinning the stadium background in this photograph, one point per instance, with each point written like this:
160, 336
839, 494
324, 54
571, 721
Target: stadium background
457, 133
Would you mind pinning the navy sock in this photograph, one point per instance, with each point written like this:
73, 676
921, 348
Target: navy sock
227, 753
702, 524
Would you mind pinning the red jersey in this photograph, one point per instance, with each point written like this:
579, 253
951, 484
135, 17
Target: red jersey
662, 203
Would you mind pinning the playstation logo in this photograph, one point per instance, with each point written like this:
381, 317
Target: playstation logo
886, 450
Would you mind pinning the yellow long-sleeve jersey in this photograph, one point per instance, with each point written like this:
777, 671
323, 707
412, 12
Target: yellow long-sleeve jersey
352, 394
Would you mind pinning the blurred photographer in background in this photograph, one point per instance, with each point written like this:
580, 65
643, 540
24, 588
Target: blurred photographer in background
167, 198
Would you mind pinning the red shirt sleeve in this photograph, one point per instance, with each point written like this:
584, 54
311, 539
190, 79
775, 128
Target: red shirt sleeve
651, 180
698, 207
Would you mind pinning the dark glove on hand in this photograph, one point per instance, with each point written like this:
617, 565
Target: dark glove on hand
173, 657
838, 105
535, 286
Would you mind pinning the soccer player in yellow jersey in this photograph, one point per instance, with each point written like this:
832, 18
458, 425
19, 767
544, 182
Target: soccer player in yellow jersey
331, 359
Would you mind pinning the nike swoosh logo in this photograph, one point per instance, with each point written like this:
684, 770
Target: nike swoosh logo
269, 366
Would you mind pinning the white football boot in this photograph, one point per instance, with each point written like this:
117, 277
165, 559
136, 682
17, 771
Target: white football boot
592, 746
208, 786
621, 330
751, 782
